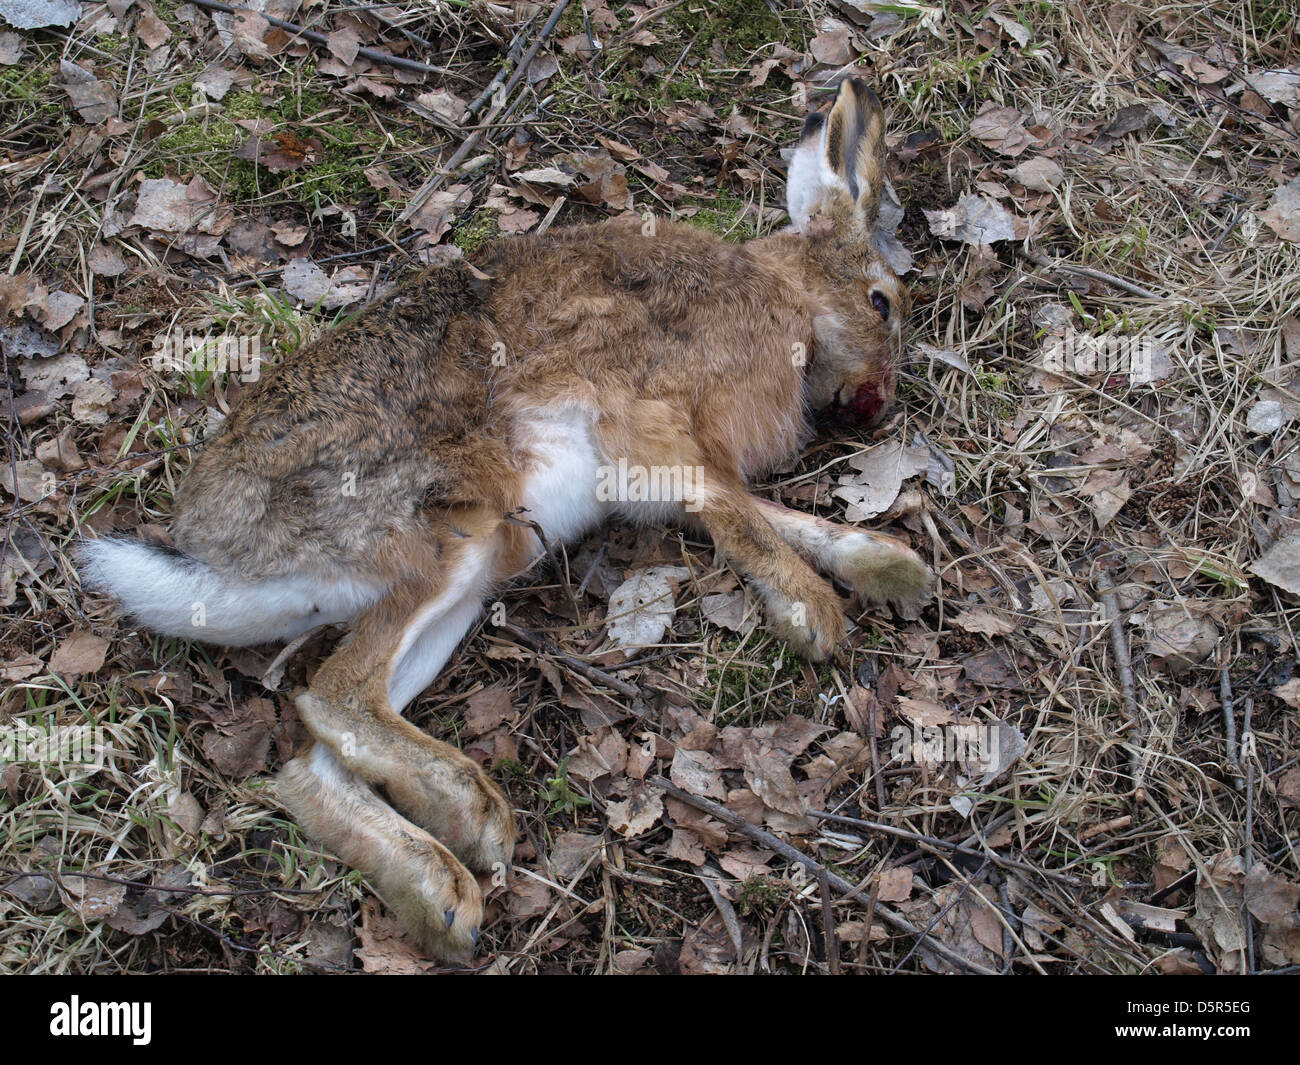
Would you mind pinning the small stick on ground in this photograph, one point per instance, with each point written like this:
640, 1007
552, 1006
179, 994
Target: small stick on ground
575, 665
828, 925
1094, 275
275, 671
1248, 851
1124, 664
1230, 729
890, 917
935, 843
427, 189
373, 54
725, 909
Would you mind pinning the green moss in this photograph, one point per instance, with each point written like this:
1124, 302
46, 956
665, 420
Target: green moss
760, 893
738, 26
476, 231
113, 44
723, 216
25, 94
737, 688
207, 147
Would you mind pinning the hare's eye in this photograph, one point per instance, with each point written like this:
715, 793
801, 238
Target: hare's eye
881, 302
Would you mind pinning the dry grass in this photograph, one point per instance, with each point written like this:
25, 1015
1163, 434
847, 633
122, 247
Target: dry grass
1170, 209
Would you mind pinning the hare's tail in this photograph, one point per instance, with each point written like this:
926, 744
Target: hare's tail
170, 592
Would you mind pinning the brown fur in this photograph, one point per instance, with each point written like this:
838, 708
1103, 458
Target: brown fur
691, 352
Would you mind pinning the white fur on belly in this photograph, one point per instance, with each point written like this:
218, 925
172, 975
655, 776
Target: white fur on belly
560, 485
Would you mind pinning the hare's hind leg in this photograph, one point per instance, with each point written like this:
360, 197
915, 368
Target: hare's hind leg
395, 650
879, 568
436, 897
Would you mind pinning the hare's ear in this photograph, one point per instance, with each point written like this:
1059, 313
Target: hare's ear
840, 161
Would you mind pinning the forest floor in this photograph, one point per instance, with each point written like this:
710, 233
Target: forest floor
1095, 446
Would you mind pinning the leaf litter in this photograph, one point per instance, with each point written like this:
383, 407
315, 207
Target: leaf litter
1054, 207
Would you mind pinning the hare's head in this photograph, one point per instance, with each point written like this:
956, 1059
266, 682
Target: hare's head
836, 181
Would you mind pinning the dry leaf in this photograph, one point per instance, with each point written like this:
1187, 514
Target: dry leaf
1001, 128
642, 607
881, 472
638, 813
895, 885
974, 220
94, 100
731, 610
38, 14
385, 947
1283, 214
445, 105
240, 740
1039, 174
984, 622
698, 773
487, 709
11, 49
1280, 564
80, 654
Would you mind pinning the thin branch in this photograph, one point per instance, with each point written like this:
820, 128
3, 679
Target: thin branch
1124, 665
576, 665
373, 54
758, 835
429, 187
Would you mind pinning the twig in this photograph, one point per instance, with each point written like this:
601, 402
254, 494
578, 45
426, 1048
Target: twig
561, 572
828, 925
1096, 275
758, 835
512, 56
1248, 755
373, 54
162, 889
275, 671
27, 226
1124, 664
429, 187
1230, 729
942, 844
576, 665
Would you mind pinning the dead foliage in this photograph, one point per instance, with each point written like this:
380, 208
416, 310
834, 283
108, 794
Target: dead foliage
1096, 445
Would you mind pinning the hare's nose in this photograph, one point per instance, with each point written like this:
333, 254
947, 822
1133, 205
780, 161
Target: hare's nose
868, 402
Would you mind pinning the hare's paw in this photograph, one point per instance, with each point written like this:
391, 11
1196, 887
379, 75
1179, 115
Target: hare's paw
881, 569
459, 805
811, 622
430, 890
430, 782
435, 897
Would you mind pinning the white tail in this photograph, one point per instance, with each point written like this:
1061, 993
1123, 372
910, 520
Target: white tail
169, 592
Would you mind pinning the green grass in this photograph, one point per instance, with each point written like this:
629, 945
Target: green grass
724, 216
207, 146
475, 231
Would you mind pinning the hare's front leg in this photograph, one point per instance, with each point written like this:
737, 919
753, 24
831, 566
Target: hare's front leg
801, 607
879, 568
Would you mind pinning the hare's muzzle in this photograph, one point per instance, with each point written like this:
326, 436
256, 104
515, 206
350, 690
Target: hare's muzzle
869, 402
